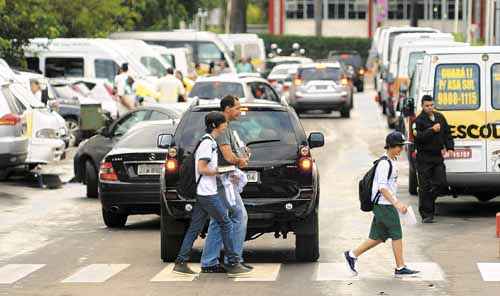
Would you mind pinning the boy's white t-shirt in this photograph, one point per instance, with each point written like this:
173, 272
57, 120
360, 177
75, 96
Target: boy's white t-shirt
380, 180
207, 151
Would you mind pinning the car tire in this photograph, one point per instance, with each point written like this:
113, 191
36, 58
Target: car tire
114, 220
412, 182
91, 179
307, 245
345, 112
170, 244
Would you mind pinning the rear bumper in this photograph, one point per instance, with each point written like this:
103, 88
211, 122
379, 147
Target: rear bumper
130, 198
474, 180
45, 150
12, 159
311, 102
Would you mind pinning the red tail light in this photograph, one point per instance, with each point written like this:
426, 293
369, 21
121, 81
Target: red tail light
285, 87
305, 162
107, 173
10, 119
171, 165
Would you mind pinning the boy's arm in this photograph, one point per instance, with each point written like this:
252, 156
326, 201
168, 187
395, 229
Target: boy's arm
387, 194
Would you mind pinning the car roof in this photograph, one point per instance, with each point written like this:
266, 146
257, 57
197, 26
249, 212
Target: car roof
465, 50
230, 78
290, 58
327, 64
201, 105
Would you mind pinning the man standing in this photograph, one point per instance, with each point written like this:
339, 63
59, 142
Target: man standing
231, 154
386, 223
124, 93
433, 141
170, 88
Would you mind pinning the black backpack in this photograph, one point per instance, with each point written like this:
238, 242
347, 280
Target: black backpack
187, 184
366, 185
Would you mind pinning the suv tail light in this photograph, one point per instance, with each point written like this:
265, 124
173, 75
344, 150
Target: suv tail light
171, 163
107, 173
305, 162
10, 119
297, 80
344, 80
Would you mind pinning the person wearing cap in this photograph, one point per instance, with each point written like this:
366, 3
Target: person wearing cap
386, 223
433, 140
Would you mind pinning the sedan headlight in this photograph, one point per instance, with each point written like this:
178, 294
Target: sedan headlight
47, 133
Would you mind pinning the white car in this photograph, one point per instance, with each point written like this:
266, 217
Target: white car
217, 87
281, 77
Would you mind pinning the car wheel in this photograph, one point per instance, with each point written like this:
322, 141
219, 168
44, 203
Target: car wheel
345, 112
114, 220
170, 244
91, 179
412, 182
74, 131
307, 245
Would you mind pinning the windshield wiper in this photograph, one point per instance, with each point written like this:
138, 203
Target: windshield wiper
262, 141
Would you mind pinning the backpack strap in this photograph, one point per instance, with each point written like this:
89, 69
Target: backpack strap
377, 196
205, 137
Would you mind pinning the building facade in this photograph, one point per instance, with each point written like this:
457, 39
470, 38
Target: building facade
360, 18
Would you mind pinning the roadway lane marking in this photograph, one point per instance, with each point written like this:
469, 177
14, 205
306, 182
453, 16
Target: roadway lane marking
167, 275
95, 273
265, 272
12, 273
429, 271
490, 272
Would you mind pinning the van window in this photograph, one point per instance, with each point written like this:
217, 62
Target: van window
414, 58
105, 69
457, 87
33, 64
154, 66
495, 86
169, 58
64, 67
208, 52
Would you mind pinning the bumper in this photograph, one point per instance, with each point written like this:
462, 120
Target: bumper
317, 101
130, 198
474, 180
45, 150
11, 159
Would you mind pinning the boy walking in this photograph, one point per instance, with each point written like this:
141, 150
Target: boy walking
385, 222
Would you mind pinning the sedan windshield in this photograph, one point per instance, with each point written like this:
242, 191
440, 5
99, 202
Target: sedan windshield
216, 89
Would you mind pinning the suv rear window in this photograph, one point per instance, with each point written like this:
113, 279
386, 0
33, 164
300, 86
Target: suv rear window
318, 73
348, 59
216, 89
272, 126
457, 87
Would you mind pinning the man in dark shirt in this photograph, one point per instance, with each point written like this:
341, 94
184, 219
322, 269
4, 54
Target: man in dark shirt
433, 141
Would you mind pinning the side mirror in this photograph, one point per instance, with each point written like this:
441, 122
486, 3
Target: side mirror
409, 107
165, 141
316, 140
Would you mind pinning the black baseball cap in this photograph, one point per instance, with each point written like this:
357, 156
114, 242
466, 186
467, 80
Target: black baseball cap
395, 139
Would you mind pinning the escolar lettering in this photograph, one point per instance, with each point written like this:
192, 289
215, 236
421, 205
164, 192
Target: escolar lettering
474, 131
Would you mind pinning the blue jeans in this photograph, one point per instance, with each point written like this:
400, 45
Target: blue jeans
213, 242
213, 207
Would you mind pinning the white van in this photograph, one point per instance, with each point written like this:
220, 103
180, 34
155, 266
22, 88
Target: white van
247, 46
206, 46
180, 58
465, 84
77, 57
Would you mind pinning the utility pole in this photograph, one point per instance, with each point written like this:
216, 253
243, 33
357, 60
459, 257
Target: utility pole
469, 21
457, 6
318, 17
228, 17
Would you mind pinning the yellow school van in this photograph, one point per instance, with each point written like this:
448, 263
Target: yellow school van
465, 84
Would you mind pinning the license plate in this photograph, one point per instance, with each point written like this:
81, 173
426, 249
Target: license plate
321, 87
148, 169
465, 153
252, 176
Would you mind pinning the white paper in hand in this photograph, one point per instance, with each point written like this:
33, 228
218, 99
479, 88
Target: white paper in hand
408, 219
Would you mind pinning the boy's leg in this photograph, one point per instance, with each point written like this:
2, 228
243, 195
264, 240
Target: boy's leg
397, 248
198, 219
213, 245
365, 246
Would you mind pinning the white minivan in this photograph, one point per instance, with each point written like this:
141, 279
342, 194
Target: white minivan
465, 84
206, 46
179, 58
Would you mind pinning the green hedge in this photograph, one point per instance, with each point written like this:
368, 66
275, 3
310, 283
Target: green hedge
318, 47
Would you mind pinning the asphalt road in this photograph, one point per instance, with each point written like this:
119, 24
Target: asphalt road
53, 242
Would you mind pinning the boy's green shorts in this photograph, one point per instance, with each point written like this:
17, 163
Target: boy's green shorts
385, 223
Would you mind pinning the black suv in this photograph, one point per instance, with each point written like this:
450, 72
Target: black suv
351, 58
282, 195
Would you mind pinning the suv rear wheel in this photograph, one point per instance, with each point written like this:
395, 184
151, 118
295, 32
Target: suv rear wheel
345, 112
114, 220
307, 245
170, 243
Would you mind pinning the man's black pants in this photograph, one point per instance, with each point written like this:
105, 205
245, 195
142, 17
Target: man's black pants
431, 182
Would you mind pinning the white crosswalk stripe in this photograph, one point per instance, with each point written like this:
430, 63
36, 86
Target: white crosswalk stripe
12, 273
95, 273
429, 271
490, 272
264, 272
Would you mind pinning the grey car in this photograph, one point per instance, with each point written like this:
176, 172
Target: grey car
321, 86
13, 140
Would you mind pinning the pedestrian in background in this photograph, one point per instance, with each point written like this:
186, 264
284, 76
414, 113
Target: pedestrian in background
186, 82
170, 88
231, 154
386, 223
247, 66
209, 203
433, 140
124, 93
